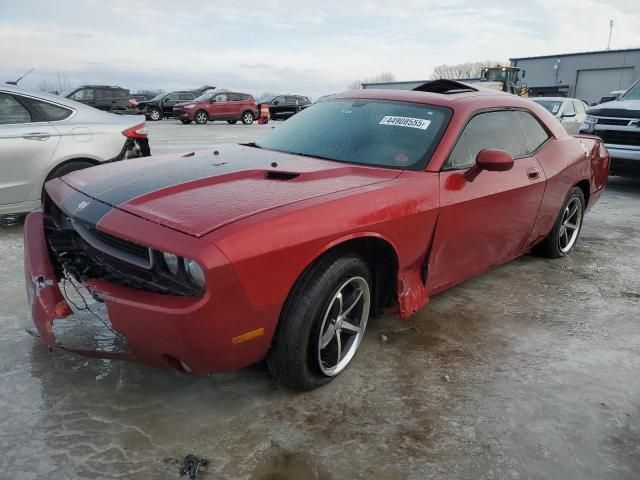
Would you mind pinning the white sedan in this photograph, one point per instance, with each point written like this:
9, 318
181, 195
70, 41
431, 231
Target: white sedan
569, 111
44, 136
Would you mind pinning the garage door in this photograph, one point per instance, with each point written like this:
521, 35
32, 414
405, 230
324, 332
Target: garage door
591, 85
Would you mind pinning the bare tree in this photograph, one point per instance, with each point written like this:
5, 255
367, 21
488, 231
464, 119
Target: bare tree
381, 77
59, 85
463, 71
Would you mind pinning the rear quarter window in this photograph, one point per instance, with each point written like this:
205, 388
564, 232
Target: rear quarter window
49, 111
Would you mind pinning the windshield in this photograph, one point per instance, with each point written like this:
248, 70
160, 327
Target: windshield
157, 97
369, 132
204, 97
552, 105
633, 93
266, 99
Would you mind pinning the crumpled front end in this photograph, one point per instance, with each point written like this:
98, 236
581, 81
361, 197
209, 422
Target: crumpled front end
89, 298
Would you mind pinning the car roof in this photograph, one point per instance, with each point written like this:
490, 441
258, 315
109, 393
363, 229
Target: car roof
100, 86
429, 98
553, 99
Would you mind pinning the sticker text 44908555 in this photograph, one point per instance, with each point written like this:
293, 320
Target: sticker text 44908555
419, 123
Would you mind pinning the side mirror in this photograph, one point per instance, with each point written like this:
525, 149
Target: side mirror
491, 160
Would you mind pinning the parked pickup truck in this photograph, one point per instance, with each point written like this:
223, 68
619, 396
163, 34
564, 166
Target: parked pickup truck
618, 124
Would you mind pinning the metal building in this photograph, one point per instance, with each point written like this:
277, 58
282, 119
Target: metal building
587, 75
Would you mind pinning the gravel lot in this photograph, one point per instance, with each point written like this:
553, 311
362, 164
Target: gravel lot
542, 360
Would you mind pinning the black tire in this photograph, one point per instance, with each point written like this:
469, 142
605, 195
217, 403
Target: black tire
201, 117
186, 122
551, 246
232, 122
294, 358
247, 117
155, 114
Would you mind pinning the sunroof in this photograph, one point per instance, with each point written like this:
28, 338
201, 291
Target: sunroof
445, 86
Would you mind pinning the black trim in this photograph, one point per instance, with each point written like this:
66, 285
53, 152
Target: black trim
496, 109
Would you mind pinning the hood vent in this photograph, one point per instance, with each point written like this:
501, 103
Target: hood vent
273, 175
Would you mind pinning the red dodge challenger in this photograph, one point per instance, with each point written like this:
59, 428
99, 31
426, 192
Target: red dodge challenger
283, 248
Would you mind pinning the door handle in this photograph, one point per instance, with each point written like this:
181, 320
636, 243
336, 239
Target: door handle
533, 173
36, 136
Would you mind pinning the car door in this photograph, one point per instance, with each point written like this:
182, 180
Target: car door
277, 106
581, 114
485, 222
168, 102
236, 107
27, 143
568, 117
220, 107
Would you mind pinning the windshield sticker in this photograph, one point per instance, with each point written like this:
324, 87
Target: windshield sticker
420, 123
555, 109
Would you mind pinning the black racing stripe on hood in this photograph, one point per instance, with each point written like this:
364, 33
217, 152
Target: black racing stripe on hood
81, 207
120, 188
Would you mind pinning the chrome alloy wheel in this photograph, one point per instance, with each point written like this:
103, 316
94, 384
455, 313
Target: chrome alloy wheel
155, 115
248, 118
201, 117
570, 225
343, 325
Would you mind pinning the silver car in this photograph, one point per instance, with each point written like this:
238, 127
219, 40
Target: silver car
570, 112
44, 136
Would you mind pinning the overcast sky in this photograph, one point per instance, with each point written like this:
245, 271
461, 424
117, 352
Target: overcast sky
311, 48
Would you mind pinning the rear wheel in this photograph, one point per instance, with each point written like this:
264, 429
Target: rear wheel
322, 323
247, 118
155, 115
566, 229
201, 117
232, 122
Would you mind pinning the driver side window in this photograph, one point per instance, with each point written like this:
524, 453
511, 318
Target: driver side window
496, 129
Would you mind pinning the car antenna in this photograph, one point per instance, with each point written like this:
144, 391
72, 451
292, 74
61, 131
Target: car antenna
16, 81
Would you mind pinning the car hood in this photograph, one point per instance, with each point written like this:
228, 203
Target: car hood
201, 191
617, 108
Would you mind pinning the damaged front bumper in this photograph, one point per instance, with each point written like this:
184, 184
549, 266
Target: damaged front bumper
102, 319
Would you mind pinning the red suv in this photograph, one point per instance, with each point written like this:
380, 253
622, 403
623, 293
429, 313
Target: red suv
229, 106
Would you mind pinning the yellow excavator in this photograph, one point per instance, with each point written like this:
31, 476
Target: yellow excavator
505, 79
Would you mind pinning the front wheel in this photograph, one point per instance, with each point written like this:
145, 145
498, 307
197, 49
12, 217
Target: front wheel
566, 229
201, 117
323, 322
155, 115
247, 118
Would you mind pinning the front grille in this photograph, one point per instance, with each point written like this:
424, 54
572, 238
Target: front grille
619, 137
121, 244
623, 122
84, 252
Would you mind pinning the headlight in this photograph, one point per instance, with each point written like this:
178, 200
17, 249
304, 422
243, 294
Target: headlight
195, 272
590, 119
171, 261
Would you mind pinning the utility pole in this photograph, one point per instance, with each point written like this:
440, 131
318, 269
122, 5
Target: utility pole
610, 32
